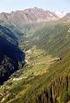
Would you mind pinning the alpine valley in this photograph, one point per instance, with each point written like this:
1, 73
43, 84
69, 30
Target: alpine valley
34, 56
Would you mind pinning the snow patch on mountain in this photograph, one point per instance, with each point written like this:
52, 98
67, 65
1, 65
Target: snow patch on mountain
60, 14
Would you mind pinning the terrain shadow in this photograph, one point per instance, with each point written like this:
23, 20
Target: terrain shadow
12, 57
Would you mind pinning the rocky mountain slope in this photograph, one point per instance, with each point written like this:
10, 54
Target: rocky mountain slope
29, 16
10, 53
26, 19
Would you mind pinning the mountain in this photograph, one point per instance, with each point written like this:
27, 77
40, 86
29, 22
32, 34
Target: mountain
60, 14
40, 15
29, 18
51, 37
45, 77
31, 15
11, 56
66, 18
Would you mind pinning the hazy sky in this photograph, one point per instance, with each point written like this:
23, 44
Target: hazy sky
54, 5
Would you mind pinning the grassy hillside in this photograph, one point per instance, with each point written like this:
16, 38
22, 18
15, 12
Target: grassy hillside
48, 79
52, 37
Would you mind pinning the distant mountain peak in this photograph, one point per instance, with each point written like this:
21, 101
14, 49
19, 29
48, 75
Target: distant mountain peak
66, 18
30, 15
20, 18
60, 14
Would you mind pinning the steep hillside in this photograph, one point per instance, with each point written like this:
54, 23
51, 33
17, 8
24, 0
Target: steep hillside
52, 87
53, 37
10, 53
44, 80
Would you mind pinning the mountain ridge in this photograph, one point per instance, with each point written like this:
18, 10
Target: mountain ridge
29, 15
